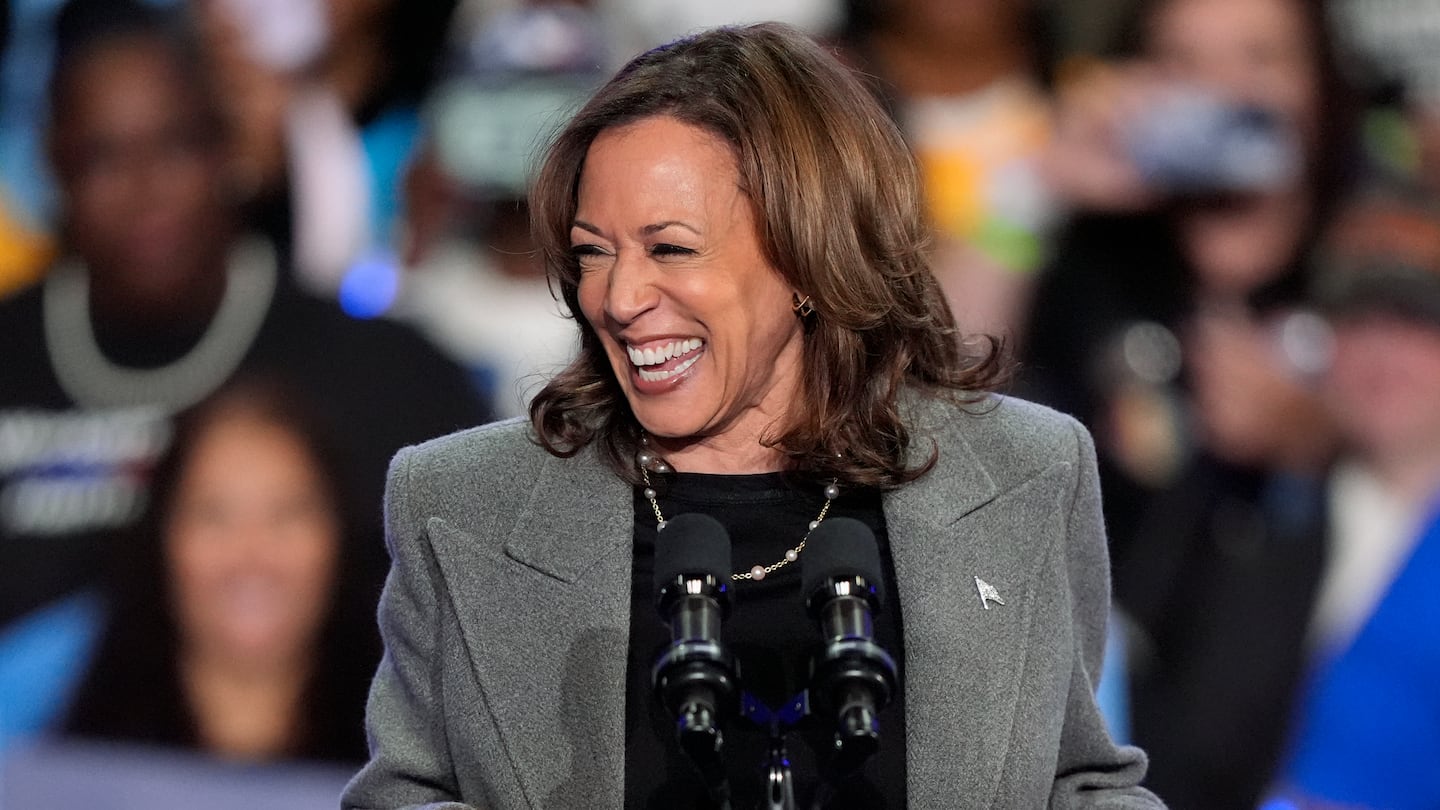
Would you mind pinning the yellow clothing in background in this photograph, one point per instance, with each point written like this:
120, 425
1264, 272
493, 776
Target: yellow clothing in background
978, 154
24, 253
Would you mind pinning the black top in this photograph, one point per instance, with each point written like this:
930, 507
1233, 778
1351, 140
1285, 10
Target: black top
771, 637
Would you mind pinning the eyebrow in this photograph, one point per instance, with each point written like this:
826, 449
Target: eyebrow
660, 226
647, 230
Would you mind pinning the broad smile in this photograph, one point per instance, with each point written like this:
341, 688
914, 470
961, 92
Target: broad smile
658, 362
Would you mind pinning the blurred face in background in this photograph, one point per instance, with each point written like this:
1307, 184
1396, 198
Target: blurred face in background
141, 171
252, 544
1259, 52
956, 20
1384, 385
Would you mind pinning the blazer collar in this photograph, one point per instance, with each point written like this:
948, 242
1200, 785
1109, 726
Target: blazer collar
579, 512
959, 483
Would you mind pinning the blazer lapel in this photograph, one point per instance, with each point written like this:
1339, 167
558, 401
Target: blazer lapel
963, 662
548, 631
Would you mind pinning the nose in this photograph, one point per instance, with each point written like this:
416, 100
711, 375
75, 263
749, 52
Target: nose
630, 289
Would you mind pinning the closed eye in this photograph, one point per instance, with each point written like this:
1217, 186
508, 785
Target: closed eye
665, 249
584, 251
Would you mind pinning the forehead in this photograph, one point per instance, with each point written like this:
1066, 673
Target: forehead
125, 83
661, 140
1225, 21
658, 161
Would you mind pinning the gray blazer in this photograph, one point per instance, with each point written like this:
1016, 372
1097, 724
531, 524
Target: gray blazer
506, 614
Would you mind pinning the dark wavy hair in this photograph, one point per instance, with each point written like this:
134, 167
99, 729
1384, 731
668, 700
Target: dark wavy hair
838, 197
133, 691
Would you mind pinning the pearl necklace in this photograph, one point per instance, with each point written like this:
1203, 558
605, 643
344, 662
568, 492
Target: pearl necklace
648, 461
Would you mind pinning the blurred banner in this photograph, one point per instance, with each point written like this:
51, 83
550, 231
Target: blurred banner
102, 777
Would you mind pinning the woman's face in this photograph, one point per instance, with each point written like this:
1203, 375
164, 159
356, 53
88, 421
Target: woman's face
1256, 51
251, 545
695, 320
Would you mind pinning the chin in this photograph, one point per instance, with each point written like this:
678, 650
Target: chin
667, 423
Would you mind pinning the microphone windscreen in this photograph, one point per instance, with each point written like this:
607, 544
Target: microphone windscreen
691, 544
841, 547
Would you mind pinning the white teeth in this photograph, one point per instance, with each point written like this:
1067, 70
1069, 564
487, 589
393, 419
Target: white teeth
657, 355
657, 376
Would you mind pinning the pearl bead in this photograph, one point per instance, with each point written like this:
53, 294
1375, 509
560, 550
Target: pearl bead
649, 494
645, 458
792, 555
661, 467
660, 525
814, 524
832, 491
757, 573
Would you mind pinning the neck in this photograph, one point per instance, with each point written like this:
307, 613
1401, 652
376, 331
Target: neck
1238, 248
721, 455
188, 300
245, 712
355, 71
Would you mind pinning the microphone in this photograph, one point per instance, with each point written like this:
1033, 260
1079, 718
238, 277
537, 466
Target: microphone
695, 677
852, 677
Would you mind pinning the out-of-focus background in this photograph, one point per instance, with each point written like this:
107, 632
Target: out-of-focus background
249, 248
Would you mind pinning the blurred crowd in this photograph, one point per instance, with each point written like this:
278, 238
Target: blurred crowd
250, 248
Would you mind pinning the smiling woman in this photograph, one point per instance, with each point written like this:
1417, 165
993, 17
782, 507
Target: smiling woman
229, 631
768, 172
737, 227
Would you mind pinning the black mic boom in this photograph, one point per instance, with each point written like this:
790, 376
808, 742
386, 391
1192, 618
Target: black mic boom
695, 676
853, 677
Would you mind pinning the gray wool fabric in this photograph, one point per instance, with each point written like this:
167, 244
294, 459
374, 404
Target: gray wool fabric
506, 619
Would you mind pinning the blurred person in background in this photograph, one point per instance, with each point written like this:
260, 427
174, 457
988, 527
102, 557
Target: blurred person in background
1398, 41
635, 26
474, 281
969, 85
322, 98
157, 300
1367, 733
1173, 323
234, 608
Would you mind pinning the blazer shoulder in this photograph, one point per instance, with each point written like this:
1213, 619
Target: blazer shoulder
1008, 435
448, 476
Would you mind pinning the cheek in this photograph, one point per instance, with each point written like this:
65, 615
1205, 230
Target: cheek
313, 558
195, 564
96, 206
591, 294
192, 552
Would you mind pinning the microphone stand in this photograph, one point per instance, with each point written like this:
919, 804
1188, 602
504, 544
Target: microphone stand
779, 780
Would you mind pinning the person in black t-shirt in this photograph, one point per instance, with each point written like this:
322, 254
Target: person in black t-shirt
157, 301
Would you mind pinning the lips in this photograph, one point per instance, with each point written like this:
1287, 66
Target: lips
662, 361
